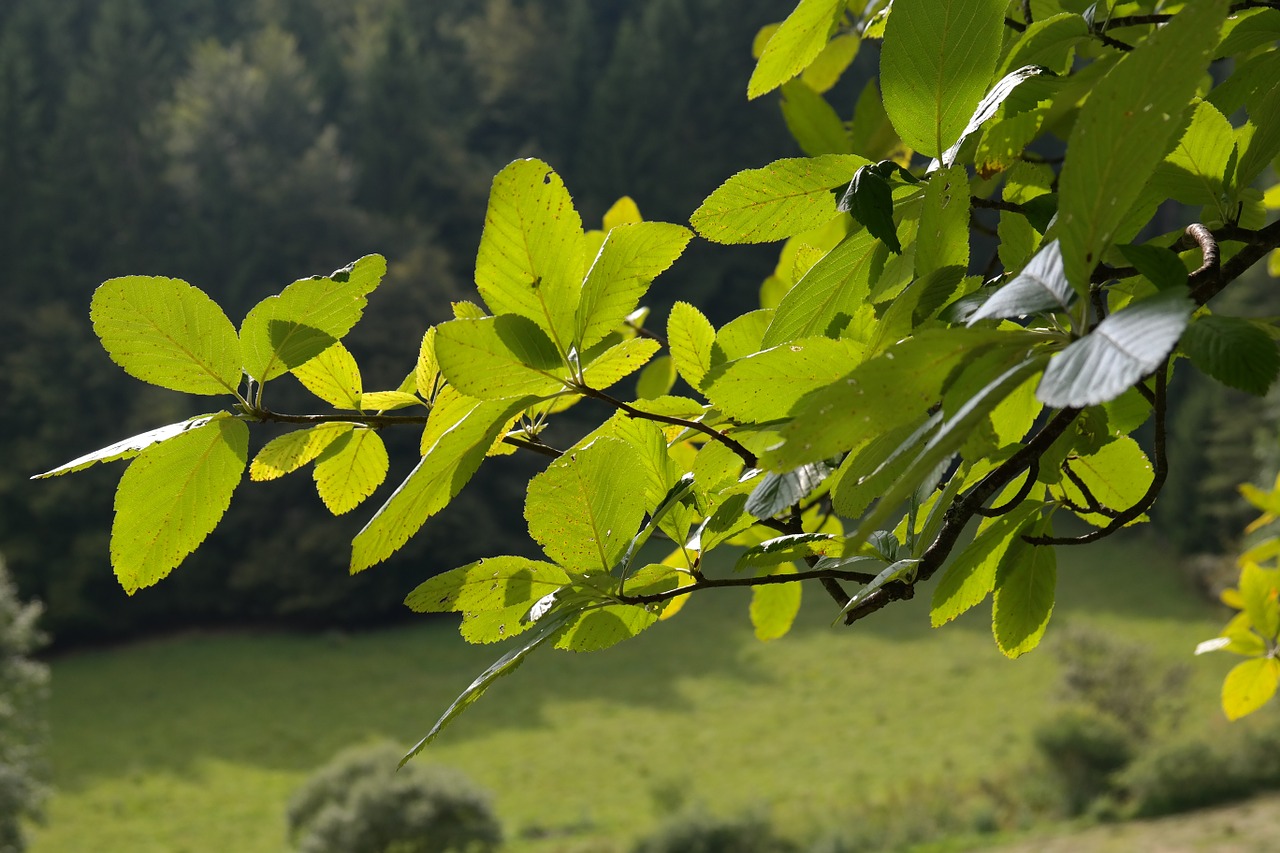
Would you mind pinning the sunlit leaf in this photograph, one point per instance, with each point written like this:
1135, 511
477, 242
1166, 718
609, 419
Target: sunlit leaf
1125, 129
795, 44
172, 496
777, 201
937, 61
289, 452
349, 470
774, 607
334, 377
1249, 686
129, 447
168, 333
1026, 581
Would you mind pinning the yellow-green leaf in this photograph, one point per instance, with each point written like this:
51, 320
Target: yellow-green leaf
691, 337
531, 252
1125, 129
426, 373
172, 496
333, 376
777, 201
386, 401
168, 333
1249, 686
1026, 580
936, 64
457, 448
498, 357
350, 470
774, 606
585, 507
129, 447
795, 44
631, 257
307, 317
289, 452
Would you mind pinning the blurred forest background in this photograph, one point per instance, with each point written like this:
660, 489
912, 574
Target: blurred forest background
241, 144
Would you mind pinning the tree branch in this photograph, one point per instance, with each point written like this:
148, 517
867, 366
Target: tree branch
763, 580
711, 432
1159, 464
961, 512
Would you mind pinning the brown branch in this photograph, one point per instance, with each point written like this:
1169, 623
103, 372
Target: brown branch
1016, 26
1033, 471
268, 416
1160, 471
959, 514
764, 580
711, 432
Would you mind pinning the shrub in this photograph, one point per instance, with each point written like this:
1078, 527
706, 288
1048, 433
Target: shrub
1084, 747
359, 803
697, 832
1187, 774
23, 691
1120, 679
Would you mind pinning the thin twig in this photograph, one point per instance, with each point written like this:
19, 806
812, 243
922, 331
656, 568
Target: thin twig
764, 580
1160, 471
745, 455
1033, 471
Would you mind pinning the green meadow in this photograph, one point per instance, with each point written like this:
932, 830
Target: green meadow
193, 744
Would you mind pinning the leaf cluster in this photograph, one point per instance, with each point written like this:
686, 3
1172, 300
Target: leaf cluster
891, 389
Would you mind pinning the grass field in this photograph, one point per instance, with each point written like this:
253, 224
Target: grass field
194, 743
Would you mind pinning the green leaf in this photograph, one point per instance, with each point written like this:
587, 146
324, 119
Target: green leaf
531, 252
307, 317
765, 386
943, 237
460, 434
289, 452
631, 257
349, 470
1234, 351
657, 378
601, 627
740, 337
334, 377
172, 496
168, 333
387, 401
936, 64
362, 276
838, 284
774, 607
784, 549
1125, 129
870, 200
952, 433
489, 584
426, 373
1249, 686
871, 468
690, 336
825, 72
1260, 589
505, 665
1048, 42
898, 570
1117, 475
129, 447
1193, 171
584, 508
813, 123
1041, 286
777, 492
499, 357
1264, 144
987, 108
1122, 349
972, 575
795, 44
895, 388
777, 201
1026, 581
1249, 29
619, 361
1161, 266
